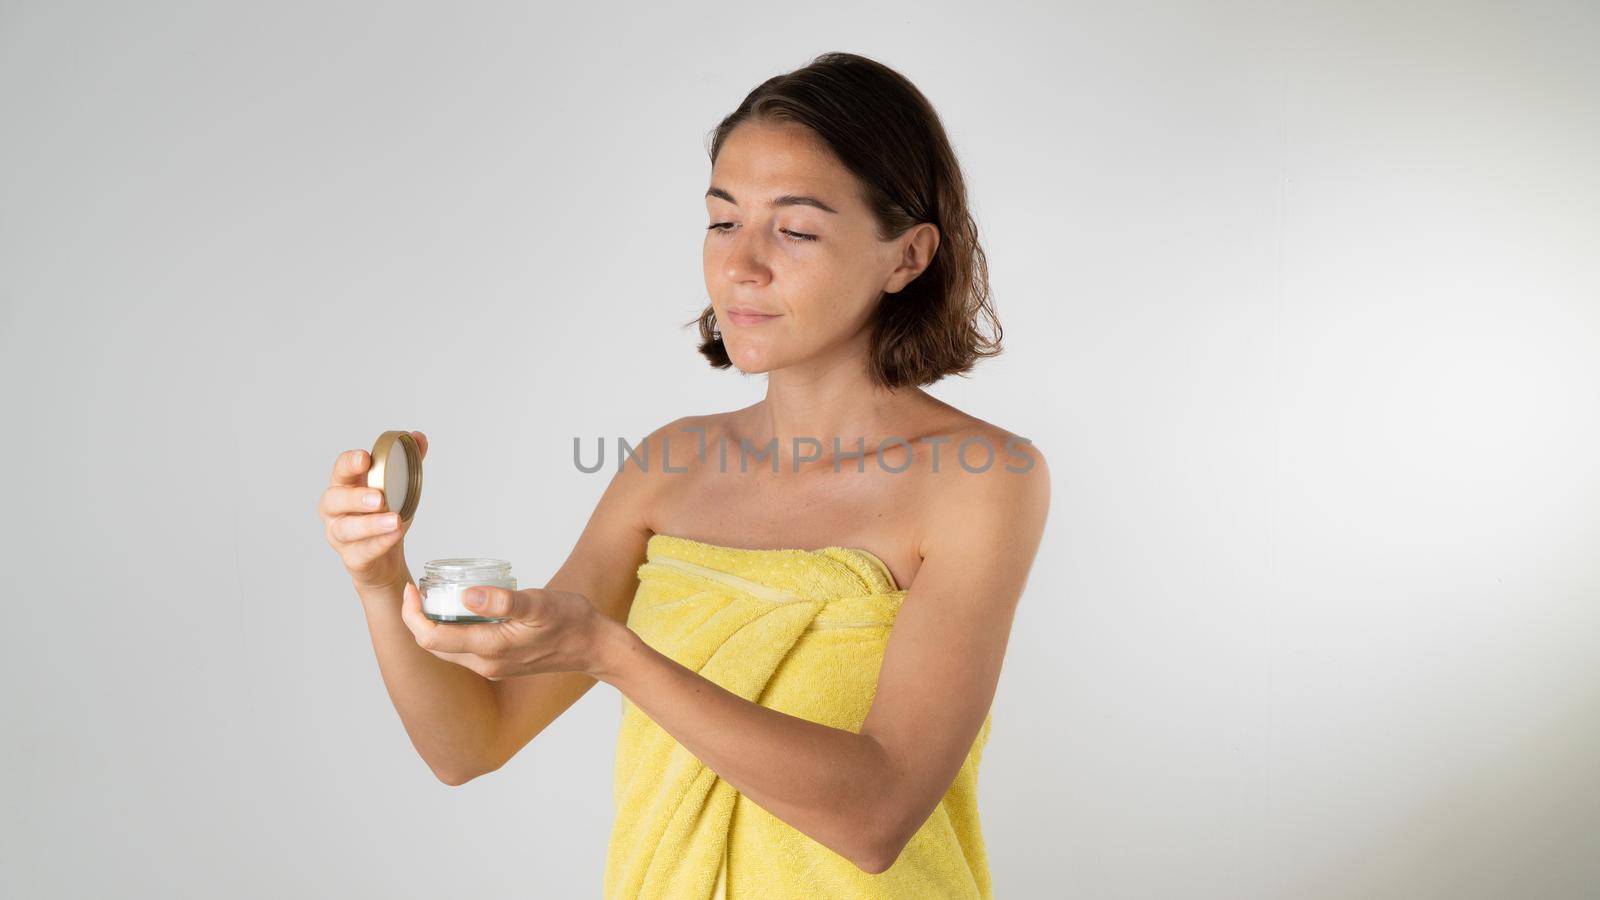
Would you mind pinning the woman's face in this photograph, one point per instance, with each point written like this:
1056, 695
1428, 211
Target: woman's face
792, 243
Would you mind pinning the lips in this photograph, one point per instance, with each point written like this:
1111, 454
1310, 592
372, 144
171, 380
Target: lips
746, 316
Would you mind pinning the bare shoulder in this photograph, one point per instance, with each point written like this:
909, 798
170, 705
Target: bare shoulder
990, 485
675, 443
665, 465
680, 445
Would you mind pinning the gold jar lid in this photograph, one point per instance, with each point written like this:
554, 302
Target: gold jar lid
397, 471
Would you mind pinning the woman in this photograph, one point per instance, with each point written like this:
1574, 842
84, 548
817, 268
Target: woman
779, 738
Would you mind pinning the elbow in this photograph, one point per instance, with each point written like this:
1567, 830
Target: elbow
885, 809
453, 779
887, 843
873, 865
879, 858
457, 777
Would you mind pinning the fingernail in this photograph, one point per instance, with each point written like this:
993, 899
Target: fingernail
370, 501
391, 520
473, 598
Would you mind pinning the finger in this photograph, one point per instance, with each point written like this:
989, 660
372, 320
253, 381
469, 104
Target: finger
360, 526
465, 661
338, 499
359, 553
447, 640
498, 602
422, 443
477, 638
422, 627
350, 467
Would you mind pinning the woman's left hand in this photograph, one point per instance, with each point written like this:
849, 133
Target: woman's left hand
543, 631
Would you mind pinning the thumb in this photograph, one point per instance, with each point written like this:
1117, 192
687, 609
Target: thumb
486, 600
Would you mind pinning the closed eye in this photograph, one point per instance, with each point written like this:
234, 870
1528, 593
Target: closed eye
795, 236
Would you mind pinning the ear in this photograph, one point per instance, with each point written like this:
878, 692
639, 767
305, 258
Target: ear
917, 247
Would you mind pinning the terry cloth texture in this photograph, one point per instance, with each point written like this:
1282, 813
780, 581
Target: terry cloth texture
802, 632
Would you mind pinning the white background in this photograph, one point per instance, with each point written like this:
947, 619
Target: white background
1300, 300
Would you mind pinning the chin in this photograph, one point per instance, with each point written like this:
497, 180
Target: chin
751, 361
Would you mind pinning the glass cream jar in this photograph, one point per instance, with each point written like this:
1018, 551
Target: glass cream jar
444, 580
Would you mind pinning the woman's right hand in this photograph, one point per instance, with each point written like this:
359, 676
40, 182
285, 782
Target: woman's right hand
367, 535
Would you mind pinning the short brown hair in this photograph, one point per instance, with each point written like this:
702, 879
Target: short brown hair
886, 132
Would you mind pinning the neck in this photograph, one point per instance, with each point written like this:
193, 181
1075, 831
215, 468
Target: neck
833, 402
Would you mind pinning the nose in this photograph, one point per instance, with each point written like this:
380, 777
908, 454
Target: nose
744, 259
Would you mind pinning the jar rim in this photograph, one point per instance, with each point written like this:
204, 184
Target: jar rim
465, 563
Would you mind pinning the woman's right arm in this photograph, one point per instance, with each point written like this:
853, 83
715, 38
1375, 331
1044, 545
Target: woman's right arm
462, 724
449, 712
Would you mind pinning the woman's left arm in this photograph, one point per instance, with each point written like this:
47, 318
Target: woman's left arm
864, 795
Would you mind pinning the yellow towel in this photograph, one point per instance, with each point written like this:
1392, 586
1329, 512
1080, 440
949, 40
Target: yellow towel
802, 632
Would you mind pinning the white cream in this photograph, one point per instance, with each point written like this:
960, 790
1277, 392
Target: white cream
445, 600
445, 580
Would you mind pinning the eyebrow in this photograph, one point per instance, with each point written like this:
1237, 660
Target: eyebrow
782, 200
